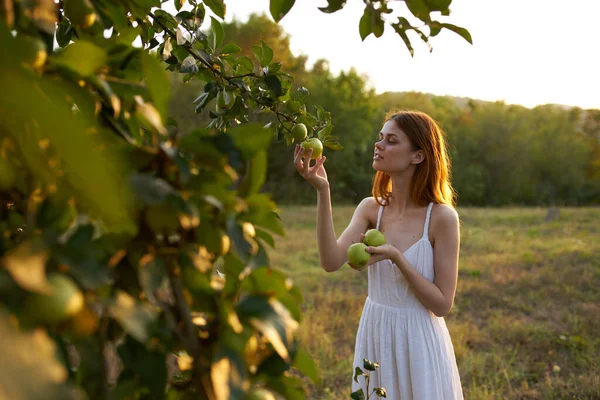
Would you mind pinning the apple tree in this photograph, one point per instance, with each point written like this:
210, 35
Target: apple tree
134, 259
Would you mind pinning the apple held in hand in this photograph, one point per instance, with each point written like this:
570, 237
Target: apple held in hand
358, 257
316, 146
374, 238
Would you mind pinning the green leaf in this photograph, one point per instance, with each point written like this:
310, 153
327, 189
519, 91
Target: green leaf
256, 174
267, 54
258, 53
64, 31
358, 395
233, 267
365, 26
274, 84
438, 5
189, 65
251, 138
152, 276
166, 18
26, 263
279, 8
333, 6
290, 387
81, 57
23, 355
378, 24
179, 4
150, 189
305, 364
370, 365
272, 319
461, 31
217, 6
401, 30
85, 259
146, 364
217, 31
134, 317
434, 28
381, 392
245, 65
358, 372
419, 9
157, 81
335, 146
228, 374
231, 49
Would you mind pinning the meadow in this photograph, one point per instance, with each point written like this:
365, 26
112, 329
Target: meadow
526, 318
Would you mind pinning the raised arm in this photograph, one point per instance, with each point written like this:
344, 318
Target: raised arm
332, 251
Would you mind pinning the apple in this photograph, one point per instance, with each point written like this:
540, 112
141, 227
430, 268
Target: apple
63, 301
358, 256
299, 132
374, 238
316, 146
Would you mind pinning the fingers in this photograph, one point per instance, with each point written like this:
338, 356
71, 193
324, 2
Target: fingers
298, 159
372, 250
307, 162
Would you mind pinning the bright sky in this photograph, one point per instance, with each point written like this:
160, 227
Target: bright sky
527, 52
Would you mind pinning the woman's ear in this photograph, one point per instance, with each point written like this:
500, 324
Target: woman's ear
419, 157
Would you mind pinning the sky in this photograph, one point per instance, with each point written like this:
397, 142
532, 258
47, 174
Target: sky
527, 52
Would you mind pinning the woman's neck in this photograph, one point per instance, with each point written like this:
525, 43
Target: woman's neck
401, 197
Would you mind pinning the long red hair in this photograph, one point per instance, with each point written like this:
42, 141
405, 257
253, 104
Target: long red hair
431, 181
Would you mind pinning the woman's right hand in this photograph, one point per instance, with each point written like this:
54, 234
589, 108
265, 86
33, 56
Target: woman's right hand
316, 174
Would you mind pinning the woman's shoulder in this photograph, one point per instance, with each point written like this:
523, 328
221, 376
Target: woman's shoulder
444, 215
368, 208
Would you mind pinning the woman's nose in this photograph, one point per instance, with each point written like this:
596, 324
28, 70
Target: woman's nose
378, 145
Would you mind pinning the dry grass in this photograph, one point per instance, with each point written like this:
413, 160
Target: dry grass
526, 321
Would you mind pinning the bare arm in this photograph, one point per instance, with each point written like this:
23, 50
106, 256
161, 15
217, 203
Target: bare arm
332, 251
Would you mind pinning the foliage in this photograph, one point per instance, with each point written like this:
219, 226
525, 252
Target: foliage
148, 243
359, 394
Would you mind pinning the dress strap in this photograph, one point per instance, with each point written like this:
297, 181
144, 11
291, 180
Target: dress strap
379, 217
426, 229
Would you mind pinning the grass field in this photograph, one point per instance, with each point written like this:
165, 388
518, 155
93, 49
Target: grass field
526, 319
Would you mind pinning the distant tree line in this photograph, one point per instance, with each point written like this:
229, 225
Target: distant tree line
502, 154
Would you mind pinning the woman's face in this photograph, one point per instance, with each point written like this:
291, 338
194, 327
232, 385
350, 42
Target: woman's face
393, 150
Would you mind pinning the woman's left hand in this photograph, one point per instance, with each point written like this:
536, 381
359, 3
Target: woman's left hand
383, 252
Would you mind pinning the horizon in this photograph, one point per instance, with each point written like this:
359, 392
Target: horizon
517, 63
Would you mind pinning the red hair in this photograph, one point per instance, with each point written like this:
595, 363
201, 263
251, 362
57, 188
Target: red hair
431, 181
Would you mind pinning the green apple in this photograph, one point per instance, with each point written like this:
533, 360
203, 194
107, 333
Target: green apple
63, 301
374, 238
259, 394
358, 256
316, 146
299, 132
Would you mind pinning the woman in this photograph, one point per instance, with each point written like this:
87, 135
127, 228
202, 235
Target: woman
412, 278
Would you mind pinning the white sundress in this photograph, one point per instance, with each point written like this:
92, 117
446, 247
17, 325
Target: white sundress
412, 346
